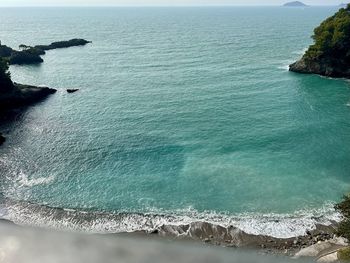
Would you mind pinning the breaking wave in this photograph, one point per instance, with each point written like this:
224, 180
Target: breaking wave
275, 225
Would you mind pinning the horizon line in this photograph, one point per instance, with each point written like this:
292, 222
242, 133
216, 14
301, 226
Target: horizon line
195, 5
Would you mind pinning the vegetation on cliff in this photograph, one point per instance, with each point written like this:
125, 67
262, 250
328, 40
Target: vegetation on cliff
344, 208
330, 53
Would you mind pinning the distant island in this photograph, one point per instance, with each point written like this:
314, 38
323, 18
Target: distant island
294, 4
329, 55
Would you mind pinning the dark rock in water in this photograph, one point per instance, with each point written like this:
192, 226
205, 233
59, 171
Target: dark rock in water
294, 4
329, 55
64, 44
2, 139
25, 57
32, 55
13, 95
5, 51
72, 90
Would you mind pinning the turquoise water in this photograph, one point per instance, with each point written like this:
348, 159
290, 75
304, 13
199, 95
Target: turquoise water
181, 111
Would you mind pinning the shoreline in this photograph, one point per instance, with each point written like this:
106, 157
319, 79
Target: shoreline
230, 237
159, 226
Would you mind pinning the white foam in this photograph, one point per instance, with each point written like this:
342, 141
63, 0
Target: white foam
284, 67
276, 225
24, 180
300, 52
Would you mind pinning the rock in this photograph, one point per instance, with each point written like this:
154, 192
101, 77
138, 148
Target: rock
23, 95
333, 257
25, 57
329, 55
72, 90
155, 231
64, 44
32, 55
321, 248
2, 139
5, 51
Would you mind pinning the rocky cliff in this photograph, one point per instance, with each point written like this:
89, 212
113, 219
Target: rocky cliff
330, 53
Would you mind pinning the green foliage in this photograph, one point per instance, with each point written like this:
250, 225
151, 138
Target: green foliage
332, 37
344, 208
344, 255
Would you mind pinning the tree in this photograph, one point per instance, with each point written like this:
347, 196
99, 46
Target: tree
332, 37
24, 47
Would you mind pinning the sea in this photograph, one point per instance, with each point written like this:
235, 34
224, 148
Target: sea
183, 114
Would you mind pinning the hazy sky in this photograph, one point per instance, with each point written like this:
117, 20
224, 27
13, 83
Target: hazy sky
156, 2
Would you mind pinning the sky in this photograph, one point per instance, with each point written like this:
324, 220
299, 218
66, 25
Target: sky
156, 2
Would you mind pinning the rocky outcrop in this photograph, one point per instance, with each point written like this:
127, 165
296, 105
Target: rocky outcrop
5, 51
234, 237
25, 57
322, 66
32, 55
72, 90
329, 55
324, 251
23, 95
2, 139
64, 44
14, 95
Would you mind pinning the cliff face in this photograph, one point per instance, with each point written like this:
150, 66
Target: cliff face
13, 95
23, 95
323, 66
6, 84
330, 53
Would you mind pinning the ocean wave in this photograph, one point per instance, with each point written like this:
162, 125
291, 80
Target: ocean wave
274, 225
284, 65
24, 180
300, 52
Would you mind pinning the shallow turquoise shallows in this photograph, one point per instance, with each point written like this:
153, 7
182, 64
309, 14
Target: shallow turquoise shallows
187, 112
